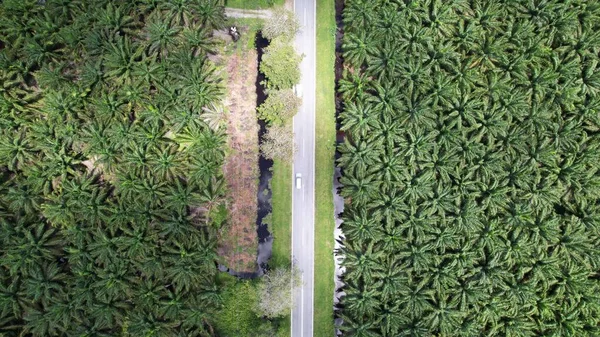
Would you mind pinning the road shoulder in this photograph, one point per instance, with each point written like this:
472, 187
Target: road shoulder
324, 161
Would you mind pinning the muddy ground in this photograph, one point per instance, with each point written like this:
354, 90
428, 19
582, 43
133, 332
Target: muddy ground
239, 240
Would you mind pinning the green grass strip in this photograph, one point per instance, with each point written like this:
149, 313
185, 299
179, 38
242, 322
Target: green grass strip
253, 4
282, 214
325, 151
281, 226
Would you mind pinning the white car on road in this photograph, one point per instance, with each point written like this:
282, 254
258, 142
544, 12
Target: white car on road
298, 90
298, 181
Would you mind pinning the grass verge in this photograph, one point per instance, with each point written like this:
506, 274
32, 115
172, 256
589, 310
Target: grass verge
253, 4
282, 214
325, 151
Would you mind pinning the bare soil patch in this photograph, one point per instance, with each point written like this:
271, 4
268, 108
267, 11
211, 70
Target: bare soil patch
238, 243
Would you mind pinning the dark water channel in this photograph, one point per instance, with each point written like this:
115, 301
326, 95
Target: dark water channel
265, 239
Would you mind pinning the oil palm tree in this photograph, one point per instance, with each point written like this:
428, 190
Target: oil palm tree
104, 250
385, 63
136, 241
148, 71
37, 243
17, 25
444, 316
362, 302
393, 237
40, 323
166, 162
186, 267
359, 225
359, 119
180, 12
22, 198
148, 322
392, 280
115, 21
182, 194
359, 154
12, 300
361, 264
212, 194
415, 299
196, 321
178, 227
361, 189
386, 100
193, 137
359, 48
107, 313
199, 85
16, 150
354, 86
211, 14
161, 35
360, 15
199, 39
45, 283
214, 116
121, 59
359, 327
41, 52
149, 293
172, 305
418, 111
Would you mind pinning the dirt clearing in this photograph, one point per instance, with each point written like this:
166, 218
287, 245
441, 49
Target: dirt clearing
239, 241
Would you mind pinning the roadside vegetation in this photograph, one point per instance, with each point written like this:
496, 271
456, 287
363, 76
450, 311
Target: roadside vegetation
470, 168
282, 214
252, 4
281, 66
248, 311
324, 161
110, 169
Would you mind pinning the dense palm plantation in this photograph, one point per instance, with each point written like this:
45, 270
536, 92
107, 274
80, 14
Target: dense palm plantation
109, 168
470, 168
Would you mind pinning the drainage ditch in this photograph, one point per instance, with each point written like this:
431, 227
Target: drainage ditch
263, 198
265, 239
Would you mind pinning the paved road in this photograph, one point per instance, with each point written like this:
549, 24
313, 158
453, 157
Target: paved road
303, 199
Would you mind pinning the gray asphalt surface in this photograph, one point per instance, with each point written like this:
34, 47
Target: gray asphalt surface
303, 199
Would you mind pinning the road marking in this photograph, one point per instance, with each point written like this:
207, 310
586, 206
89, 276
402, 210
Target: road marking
304, 16
302, 306
312, 312
303, 148
292, 257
